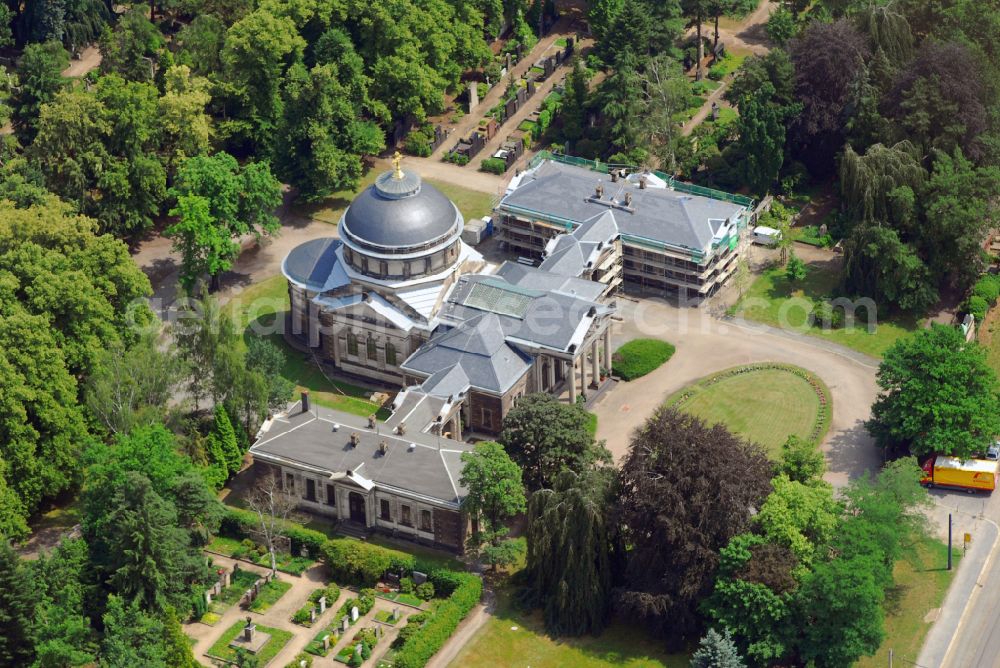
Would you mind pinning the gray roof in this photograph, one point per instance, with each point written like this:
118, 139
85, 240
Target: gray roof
314, 263
565, 192
401, 213
543, 318
478, 347
431, 470
540, 279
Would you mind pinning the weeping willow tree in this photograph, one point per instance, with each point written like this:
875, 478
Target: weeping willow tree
873, 184
888, 29
568, 563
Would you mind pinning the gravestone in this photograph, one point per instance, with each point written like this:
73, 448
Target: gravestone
326, 643
346, 624
218, 588
248, 632
312, 615
395, 614
303, 663
357, 648
251, 639
208, 597
419, 578
378, 631
226, 581
354, 613
473, 95
304, 552
715, 111
823, 230
322, 604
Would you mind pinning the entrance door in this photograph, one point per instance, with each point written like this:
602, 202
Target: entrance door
357, 504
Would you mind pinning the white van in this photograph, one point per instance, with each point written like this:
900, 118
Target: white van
766, 236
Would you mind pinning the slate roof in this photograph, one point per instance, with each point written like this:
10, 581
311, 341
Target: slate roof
667, 216
315, 265
416, 215
535, 277
430, 471
478, 347
549, 319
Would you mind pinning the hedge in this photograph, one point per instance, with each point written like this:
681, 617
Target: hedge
640, 356
493, 165
987, 288
420, 646
238, 523
355, 562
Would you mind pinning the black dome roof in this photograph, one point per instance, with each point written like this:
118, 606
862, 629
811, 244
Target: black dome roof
400, 211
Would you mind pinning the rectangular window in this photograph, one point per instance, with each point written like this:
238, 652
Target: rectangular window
331, 495
405, 516
425, 520
290, 483
390, 354
384, 511
352, 344
310, 489
372, 350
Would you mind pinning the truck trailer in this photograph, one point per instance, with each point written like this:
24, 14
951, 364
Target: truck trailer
971, 475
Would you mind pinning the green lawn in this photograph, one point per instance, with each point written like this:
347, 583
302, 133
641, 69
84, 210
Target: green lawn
254, 311
400, 597
278, 639
286, 563
921, 584
224, 546
764, 405
472, 203
769, 301
620, 646
989, 336
269, 595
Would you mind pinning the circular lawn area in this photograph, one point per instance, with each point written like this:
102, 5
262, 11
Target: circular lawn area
765, 403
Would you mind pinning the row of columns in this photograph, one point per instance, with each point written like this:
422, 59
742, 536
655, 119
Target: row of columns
597, 355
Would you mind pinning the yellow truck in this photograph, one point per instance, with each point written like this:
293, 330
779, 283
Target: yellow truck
972, 475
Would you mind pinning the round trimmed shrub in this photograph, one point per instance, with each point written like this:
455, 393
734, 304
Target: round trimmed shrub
639, 357
987, 287
976, 306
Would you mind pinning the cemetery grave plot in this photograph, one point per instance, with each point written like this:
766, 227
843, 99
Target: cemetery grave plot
269, 595
240, 581
348, 615
362, 644
317, 604
226, 646
248, 550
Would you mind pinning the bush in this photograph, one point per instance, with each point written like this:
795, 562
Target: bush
299, 658
332, 593
418, 142
355, 562
717, 72
456, 158
824, 314
425, 591
238, 523
640, 356
423, 642
976, 306
366, 601
406, 585
493, 166
301, 615
198, 605
987, 287
445, 581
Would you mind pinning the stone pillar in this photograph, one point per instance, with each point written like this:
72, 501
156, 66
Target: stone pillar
595, 368
583, 375
607, 347
552, 373
571, 377
473, 95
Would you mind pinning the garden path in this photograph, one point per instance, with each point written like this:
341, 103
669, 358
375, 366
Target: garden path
280, 615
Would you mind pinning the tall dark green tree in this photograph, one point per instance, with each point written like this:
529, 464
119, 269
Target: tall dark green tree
568, 561
17, 609
545, 436
222, 433
39, 74
762, 139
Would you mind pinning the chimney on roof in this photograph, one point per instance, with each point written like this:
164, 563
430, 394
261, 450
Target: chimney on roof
628, 199
305, 402
642, 182
614, 176
401, 429
383, 447
355, 439
599, 191
371, 421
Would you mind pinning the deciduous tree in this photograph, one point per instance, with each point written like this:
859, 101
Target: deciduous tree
712, 480
938, 396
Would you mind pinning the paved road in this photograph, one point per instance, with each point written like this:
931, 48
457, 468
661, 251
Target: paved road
706, 345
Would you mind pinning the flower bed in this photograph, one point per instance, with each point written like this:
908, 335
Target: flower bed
302, 616
385, 617
239, 582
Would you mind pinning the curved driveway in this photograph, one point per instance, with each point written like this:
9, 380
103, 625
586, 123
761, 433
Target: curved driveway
706, 345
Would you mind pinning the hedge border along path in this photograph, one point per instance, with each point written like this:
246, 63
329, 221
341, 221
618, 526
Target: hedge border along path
823, 414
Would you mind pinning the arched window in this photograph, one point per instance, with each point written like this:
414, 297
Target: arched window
390, 354
352, 344
372, 349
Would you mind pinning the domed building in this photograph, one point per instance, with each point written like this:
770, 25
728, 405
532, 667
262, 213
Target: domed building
371, 297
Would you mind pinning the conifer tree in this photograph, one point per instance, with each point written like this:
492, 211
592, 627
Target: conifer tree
17, 608
717, 651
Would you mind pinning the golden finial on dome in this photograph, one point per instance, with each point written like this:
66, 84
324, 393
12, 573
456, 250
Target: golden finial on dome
397, 172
